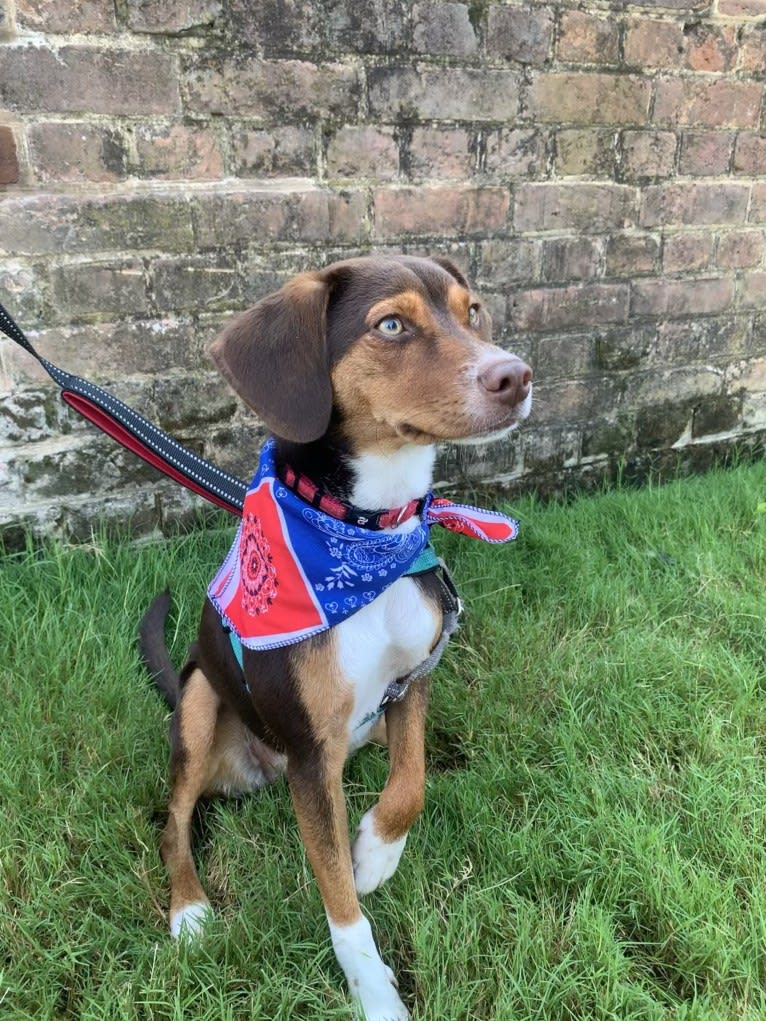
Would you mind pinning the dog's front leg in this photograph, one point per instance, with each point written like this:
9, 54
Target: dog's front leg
317, 793
383, 830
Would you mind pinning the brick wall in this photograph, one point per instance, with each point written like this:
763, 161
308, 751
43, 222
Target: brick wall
597, 168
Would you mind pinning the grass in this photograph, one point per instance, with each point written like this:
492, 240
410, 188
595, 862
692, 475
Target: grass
592, 843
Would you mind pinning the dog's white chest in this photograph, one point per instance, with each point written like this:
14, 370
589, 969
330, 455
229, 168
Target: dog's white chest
384, 641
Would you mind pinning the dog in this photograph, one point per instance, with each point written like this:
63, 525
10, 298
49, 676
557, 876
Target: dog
358, 370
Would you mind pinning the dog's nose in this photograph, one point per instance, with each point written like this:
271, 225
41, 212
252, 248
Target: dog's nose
508, 379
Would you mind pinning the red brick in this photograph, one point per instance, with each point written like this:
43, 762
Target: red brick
753, 290
286, 151
711, 48
512, 152
694, 203
585, 38
65, 16
681, 297
631, 254
363, 151
9, 161
752, 52
265, 89
443, 93
687, 252
590, 208
448, 210
565, 307
177, 152
758, 204
507, 261
648, 154
561, 97
514, 33
708, 102
443, 28
741, 248
179, 16
586, 151
83, 79
566, 259
441, 153
99, 289
76, 151
741, 8
670, 44
706, 153
750, 155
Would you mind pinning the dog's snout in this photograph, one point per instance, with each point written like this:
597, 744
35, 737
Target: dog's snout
508, 379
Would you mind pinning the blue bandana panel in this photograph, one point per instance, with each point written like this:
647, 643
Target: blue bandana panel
294, 571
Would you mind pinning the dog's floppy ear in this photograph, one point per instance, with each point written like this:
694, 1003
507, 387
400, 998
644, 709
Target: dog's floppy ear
451, 268
275, 358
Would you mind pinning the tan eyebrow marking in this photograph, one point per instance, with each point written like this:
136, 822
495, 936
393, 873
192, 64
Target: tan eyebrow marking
409, 304
459, 301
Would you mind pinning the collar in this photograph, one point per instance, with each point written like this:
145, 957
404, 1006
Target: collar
375, 521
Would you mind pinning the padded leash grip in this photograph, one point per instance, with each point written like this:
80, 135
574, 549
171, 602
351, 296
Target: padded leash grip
136, 433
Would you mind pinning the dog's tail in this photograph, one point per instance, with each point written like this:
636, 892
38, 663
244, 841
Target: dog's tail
154, 653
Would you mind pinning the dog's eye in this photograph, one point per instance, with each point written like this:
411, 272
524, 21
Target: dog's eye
391, 326
473, 316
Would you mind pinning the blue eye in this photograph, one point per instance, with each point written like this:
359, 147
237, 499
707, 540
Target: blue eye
473, 315
392, 326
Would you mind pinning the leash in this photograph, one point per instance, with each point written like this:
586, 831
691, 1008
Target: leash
136, 433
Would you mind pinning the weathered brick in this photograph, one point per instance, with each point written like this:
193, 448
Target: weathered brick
502, 263
180, 16
703, 340
443, 28
711, 48
512, 152
586, 38
84, 79
655, 390
681, 297
280, 26
706, 153
716, 415
757, 212
565, 259
741, 8
752, 50
647, 155
363, 151
738, 249
586, 151
585, 97
568, 355
272, 214
687, 252
514, 33
441, 153
267, 90
73, 224
99, 289
567, 307
631, 254
750, 155
707, 102
197, 283
177, 151
76, 151
620, 349
590, 208
445, 210
7, 22
670, 44
366, 26
280, 151
693, 203
65, 16
21, 290
753, 290
410, 93
9, 160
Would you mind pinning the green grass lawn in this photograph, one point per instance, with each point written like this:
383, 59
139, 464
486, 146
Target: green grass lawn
593, 839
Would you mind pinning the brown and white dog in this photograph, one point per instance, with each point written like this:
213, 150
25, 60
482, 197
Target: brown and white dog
359, 370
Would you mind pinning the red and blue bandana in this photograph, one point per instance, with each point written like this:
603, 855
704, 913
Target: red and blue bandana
294, 570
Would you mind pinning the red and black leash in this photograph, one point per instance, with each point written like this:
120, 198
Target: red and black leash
136, 433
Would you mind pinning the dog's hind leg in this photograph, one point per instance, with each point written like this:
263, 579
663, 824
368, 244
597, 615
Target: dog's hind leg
192, 769
383, 830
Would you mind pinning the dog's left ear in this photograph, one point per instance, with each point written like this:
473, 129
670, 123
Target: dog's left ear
275, 358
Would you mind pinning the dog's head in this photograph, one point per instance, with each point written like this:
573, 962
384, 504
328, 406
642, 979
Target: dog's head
398, 346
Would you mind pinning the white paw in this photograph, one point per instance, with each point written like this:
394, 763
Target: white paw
374, 860
372, 984
189, 922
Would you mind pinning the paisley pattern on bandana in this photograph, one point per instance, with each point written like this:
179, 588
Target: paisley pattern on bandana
294, 571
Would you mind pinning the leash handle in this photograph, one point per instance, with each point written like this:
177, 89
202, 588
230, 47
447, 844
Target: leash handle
137, 433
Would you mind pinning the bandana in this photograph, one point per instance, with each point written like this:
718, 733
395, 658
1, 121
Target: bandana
294, 570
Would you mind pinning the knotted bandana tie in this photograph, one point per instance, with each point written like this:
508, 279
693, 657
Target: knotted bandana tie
294, 571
